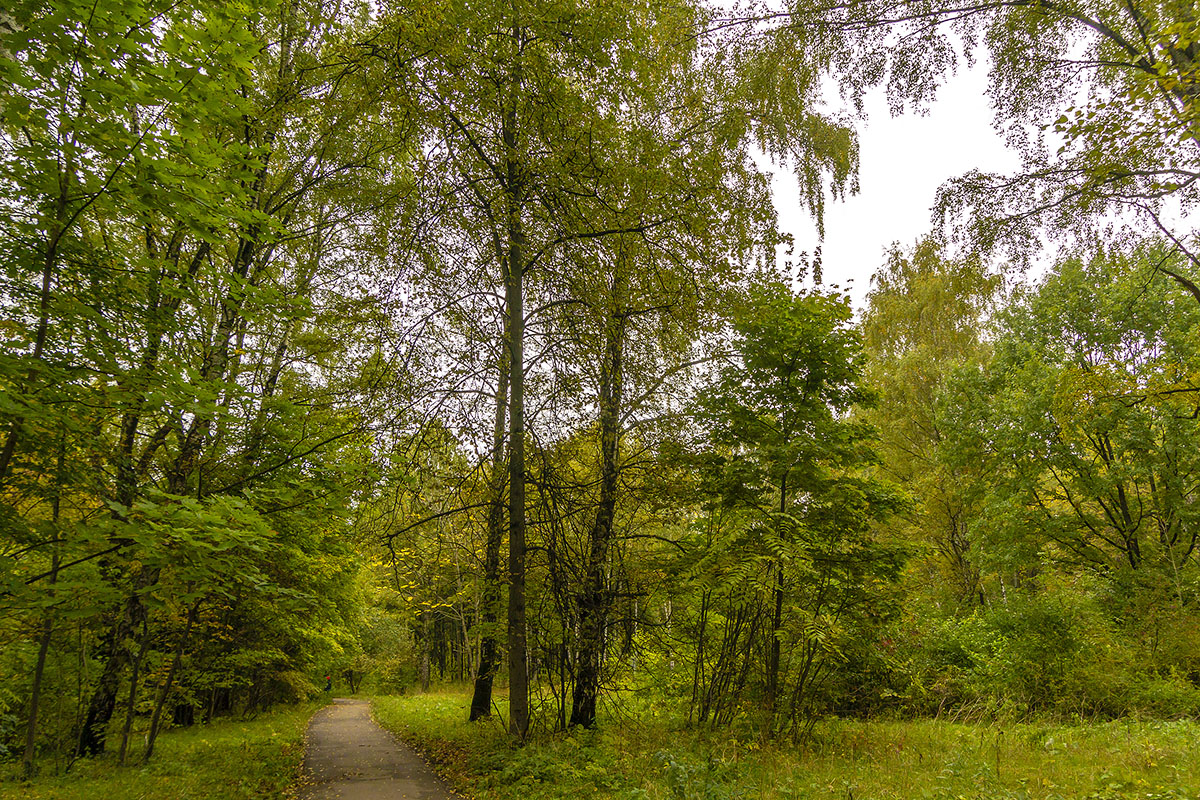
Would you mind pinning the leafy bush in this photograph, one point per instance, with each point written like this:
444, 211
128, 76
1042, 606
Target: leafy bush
393, 676
700, 780
1054, 653
8, 719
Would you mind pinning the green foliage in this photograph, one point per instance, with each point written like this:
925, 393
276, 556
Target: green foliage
651, 759
705, 780
248, 758
1084, 423
926, 319
1050, 654
172, 442
791, 511
1051, 458
1097, 96
262, 265
9, 701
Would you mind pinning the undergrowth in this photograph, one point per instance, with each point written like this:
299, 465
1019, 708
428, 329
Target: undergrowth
255, 759
646, 757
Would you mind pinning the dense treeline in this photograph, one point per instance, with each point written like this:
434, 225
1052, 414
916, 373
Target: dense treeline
452, 341
186, 415
990, 513
1051, 453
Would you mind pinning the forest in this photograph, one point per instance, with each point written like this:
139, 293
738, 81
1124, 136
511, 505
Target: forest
458, 343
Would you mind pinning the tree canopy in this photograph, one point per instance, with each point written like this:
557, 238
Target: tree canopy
459, 341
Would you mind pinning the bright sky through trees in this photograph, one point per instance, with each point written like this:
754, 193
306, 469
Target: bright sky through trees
904, 161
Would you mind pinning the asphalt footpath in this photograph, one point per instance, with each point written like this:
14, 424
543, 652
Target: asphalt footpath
349, 757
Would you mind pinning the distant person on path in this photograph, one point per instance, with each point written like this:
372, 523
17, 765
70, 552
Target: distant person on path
328, 683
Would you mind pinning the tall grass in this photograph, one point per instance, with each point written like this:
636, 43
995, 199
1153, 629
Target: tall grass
227, 760
640, 755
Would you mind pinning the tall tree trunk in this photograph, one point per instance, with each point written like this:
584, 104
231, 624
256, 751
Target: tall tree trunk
133, 693
776, 620
489, 614
594, 599
57, 228
39, 669
166, 689
518, 683
94, 731
698, 672
518, 658
773, 656
426, 644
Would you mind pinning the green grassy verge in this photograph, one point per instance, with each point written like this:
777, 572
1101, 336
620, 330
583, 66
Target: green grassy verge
639, 756
227, 760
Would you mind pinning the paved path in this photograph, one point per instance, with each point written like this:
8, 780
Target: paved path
349, 757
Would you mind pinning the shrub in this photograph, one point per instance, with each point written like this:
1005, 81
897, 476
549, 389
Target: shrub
1057, 654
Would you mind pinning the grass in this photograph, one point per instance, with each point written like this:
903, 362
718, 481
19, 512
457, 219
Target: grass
226, 760
644, 756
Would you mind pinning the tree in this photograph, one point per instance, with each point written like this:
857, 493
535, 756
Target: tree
552, 131
1099, 99
925, 320
180, 316
1085, 423
787, 454
73, 154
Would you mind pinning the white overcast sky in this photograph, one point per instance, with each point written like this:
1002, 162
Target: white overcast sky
903, 161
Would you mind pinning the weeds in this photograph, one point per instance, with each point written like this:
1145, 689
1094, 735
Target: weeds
649, 759
229, 760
